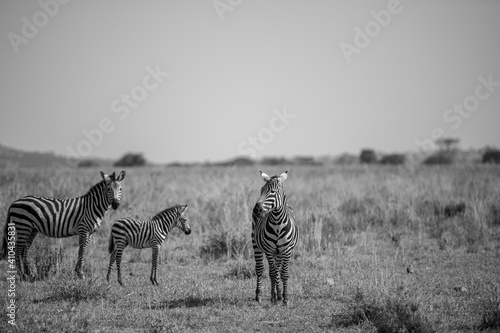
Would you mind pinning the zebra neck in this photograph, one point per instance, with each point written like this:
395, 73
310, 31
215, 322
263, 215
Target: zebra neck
165, 223
96, 200
278, 216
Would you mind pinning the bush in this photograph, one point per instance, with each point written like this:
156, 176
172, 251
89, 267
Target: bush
275, 161
393, 159
438, 159
367, 156
131, 160
87, 164
491, 156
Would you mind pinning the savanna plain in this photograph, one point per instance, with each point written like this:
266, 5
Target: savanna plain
381, 250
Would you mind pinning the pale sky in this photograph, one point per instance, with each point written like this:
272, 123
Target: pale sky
255, 78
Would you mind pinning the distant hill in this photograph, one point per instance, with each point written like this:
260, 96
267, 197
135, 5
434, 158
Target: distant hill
12, 158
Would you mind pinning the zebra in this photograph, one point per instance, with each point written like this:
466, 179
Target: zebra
58, 218
144, 234
274, 234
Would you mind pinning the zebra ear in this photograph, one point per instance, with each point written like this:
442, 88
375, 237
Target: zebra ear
121, 176
182, 209
105, 177
264, 176
283, 176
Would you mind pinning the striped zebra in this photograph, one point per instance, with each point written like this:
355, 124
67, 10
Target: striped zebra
144, 234
58, 218
274, 234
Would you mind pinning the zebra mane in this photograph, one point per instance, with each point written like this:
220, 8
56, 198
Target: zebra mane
166, 211
96, 187
274, 180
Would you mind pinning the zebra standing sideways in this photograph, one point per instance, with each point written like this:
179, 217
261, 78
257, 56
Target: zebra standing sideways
144, 234
58, 218
274, 234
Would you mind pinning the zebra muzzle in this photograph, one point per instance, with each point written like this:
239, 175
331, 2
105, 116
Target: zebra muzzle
259, 209
115, 204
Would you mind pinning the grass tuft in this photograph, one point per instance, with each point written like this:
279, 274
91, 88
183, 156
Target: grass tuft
67, 287
241, 270
225, 244
491, 314
386, 313
44, 260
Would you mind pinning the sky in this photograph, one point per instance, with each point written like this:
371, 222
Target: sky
210, 80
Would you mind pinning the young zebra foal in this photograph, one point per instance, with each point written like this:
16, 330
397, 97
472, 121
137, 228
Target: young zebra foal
144, 234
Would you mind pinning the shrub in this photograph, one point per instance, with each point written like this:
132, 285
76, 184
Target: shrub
367, 156
130, 160
346, 159
438, 159
87, 164
449, 209
275, 161
491, 156
393, 159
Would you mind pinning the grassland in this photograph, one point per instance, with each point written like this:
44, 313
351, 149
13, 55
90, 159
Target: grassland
361, 229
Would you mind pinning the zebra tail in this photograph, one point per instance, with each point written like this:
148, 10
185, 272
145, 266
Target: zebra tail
3, 253
111, 244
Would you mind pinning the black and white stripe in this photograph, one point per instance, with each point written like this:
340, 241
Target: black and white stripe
144, 234
58, 218
274, 234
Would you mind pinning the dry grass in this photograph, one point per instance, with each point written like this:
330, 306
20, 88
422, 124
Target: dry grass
361, 226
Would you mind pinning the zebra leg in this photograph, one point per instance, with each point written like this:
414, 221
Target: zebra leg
26, 248
112, 260
259, 268
154, 264
273, 274
284, 278
83, 240
20, 262
118, 256
278, 285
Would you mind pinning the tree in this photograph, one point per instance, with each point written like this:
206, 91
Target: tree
393, 159
367, 156
130, 160
447, 145
491, 155
447, 149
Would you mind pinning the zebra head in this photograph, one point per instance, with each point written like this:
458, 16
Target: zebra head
271, 194
113, 188
181, 220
